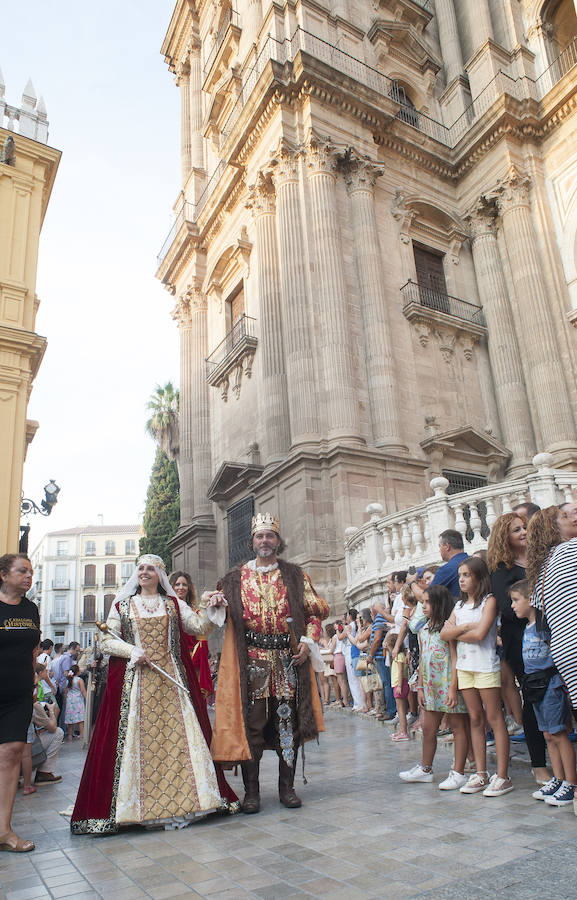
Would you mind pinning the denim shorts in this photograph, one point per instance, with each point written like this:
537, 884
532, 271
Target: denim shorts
553, 710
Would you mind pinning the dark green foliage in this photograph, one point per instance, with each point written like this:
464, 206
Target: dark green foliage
162, 513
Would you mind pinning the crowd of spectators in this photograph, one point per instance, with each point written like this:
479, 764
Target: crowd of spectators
481, 650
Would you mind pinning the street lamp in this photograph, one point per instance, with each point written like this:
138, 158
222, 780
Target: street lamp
29, 507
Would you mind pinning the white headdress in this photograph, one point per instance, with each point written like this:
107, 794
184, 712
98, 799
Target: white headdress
131, 585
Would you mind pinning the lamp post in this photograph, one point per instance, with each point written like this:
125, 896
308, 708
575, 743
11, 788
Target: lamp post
29, 507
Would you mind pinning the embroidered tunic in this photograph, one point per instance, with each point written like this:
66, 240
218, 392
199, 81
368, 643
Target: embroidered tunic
265, 611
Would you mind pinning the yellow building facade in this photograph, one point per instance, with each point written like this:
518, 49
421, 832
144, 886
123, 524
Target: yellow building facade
27, 172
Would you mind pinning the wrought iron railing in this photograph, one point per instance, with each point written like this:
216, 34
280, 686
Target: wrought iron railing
566, 60
186, 213
243, 328
432, 298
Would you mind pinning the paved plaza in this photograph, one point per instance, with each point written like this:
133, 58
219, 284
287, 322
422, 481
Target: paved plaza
361, 833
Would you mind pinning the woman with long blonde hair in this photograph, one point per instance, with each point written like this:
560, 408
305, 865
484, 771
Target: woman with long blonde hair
507, 561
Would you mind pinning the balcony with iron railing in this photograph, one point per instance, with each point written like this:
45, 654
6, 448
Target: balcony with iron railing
421, 300
231, 20
235, 352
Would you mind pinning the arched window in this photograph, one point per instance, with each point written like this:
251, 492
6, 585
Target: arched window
90, 575
110, 574
108, 601
408, 112
89, 608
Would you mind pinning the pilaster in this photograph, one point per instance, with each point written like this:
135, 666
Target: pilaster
336, 358
301, 378
183, 82
360, 176
537, 338
274, 405
506, 364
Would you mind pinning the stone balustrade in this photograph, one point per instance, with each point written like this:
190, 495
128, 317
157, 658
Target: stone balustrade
410, 537
30, 115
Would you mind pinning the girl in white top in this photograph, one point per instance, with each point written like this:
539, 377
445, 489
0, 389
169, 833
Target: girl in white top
473, 624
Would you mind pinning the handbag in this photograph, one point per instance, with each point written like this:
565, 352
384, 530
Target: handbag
372, 680
535, 684
38, 752
361, 665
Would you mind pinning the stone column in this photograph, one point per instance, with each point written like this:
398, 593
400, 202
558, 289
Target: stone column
195, 92
360, 177
449, 39
181, 314
274, 406
298, 341
341, 404
480, 22
538, 344
183, 82
506, 365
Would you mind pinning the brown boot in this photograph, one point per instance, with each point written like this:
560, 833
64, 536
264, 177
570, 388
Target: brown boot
286, 791
251, 802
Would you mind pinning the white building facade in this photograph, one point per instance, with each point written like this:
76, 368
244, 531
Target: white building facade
77, 574
373, 261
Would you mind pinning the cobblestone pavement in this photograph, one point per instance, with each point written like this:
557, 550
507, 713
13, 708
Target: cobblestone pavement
361, 833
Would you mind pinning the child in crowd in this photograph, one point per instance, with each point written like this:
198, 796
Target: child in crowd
438, 694
75, 703
400, 683
552, 710
473, 624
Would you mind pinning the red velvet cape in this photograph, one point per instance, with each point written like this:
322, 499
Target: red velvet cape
94, 798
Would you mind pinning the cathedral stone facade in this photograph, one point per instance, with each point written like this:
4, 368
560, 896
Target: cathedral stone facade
373, 260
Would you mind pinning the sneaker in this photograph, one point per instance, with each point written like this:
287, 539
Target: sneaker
411, 718
47, 778
563, 796
475, 783
549, 788
490, 739
393, 721
518, 738
454, 781
498, 786
400, 736
514, 728
417, 774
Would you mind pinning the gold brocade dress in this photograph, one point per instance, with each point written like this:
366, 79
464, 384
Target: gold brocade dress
167, 774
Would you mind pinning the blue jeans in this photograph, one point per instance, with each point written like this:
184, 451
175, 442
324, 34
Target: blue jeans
385, 673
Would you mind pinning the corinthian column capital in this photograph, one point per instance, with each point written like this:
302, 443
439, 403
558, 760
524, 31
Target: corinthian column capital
181, 310
196, 298
284, 164
512, 191
481, 219
321, 156
360, 174
261, 195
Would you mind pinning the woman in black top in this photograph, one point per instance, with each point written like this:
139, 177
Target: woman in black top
19, 638
507, 559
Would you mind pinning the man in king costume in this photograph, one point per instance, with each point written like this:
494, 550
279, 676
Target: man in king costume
267, 696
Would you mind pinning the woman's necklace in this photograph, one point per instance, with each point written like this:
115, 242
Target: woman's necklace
150, 603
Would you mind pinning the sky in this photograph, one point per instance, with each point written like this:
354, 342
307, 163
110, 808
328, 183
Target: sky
113, 111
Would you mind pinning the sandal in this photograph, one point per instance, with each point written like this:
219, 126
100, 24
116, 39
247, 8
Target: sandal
29, 790
11, 843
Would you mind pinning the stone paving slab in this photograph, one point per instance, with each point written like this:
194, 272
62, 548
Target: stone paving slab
361, 833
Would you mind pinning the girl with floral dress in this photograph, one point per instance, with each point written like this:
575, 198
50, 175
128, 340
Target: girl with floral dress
75, 703
438, 693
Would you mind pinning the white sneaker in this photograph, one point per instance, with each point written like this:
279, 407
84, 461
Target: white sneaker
453, 781
416, 774
548, 789
394, 721
498, 786
411, 718
475, 783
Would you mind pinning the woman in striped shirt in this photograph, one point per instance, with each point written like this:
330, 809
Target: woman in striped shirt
552, 575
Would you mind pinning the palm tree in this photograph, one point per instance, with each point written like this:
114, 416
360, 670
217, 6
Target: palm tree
163, 423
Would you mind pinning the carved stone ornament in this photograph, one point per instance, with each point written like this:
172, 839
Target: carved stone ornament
447, 339
467, 342
284, 163
321, 156
512, 191
424, 331
360, 174
261, 195
402, 214
480, 219
181, 311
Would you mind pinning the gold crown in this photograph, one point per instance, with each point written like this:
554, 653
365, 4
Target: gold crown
151, 559
265, 522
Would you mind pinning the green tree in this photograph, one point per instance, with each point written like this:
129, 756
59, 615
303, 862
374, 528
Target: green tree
163, 423
162, 512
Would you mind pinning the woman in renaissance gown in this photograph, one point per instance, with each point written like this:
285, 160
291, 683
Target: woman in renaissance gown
149, 761
197, 644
